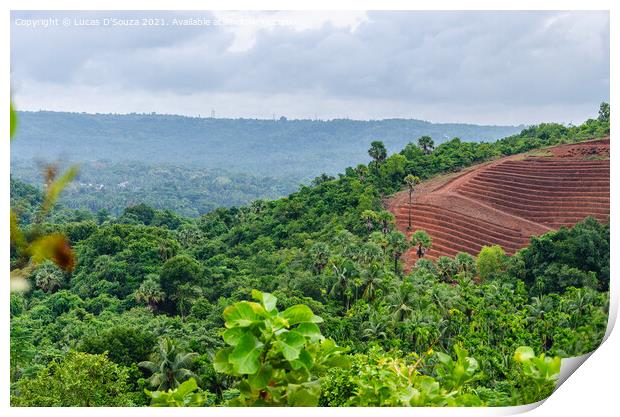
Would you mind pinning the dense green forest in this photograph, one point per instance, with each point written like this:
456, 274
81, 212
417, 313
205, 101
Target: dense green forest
190, 192
192, 165
303, 300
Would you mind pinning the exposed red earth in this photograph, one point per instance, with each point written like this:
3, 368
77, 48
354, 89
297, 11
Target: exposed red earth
507, 200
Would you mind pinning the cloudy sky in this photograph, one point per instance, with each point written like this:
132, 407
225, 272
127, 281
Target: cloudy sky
479, 67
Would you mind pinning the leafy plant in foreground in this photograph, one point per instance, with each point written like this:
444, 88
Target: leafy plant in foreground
387, 379
279, 357
185, 395
538, 375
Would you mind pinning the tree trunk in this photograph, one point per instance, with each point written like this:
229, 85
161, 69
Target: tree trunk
409, 228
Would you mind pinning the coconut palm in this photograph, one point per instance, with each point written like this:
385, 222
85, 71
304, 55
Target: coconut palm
400, 301
372, 278
342, 286
411, 181
375, 327
169, 366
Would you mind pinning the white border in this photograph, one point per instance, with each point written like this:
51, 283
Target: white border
593, 388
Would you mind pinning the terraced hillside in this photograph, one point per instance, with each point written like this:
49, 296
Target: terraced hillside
506, 201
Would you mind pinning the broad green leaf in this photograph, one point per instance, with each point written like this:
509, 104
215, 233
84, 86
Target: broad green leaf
232, 336
443, 358
523, 354
186, 387
291, 344
554, 366
297, 314
221, 361
304, 395
268, 301
244, 357
242, 314
260, 379
338, 361
310, 330
305, 359
472, 364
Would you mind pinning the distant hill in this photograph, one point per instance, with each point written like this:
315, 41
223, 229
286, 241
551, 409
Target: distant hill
298, 148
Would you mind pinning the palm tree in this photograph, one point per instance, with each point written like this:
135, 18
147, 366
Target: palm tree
188, 234
377, 151
48, 277
257, 206
369, 217
165, 251
465, 263
370, 253
379, 239
320, 254
374, 328
169, 366
400, 301
362, 171
426, 144
347, 244
446, 268
411, 181
397, 245
372, 278
185, 296
387, 220
342, 285
150, 292
423, 241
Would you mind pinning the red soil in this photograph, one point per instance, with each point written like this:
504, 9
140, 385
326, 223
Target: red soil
506, 201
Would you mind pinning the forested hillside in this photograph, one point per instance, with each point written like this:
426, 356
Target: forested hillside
303, 148
189, 191
303, 300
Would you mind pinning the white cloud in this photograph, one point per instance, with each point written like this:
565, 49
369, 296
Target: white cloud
486, 67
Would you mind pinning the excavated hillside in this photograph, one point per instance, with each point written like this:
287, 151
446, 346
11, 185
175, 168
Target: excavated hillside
506, 201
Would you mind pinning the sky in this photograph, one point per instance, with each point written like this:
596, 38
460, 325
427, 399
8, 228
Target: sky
494, 67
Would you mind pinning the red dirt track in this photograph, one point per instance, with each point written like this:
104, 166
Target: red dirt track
506, 201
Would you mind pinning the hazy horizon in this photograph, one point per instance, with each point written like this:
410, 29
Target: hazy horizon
200, 116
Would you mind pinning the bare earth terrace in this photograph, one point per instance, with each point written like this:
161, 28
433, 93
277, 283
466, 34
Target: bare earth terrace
506, 201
